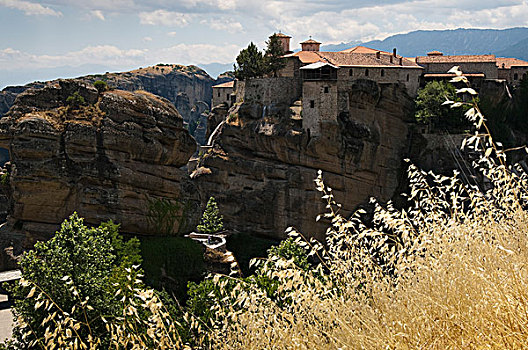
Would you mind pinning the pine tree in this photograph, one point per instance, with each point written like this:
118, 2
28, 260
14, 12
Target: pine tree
212, 220
250, 63
273, 57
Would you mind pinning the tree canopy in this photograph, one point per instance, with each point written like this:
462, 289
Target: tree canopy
273, 56
249, 63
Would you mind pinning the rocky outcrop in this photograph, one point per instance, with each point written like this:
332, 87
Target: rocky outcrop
113, 157
262, 166
189, 88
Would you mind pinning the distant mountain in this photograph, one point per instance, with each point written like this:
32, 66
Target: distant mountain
511, 42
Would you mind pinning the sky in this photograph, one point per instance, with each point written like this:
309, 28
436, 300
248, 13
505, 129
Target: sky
42, 40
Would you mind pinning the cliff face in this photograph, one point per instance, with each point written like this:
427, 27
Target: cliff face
111, 158
262, 167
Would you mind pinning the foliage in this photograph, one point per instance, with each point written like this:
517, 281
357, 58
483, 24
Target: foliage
212, 220
101, 86
78, 265
171, 262
4, 178
430, 107
273, 60
249, 63
164, 213
75, 100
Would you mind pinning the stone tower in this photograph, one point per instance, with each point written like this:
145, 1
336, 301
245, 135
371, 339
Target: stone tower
310, 45
285, 42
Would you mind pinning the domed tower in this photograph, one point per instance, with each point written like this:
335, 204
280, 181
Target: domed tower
285, 42
310, 45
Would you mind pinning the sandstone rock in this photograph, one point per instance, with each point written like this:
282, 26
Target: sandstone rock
262, 166
189, 88
106, 160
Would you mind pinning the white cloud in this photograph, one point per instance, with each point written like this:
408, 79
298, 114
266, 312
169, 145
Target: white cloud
30, 8
147, 39
224, 25
116, 58
197, 53
97, 14
165, 18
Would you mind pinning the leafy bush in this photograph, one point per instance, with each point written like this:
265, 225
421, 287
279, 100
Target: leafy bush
430, 108
75, 100
78, 265
101, 86
212, 221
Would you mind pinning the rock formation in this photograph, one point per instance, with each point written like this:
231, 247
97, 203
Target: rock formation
189, 88
109, 158
262, 166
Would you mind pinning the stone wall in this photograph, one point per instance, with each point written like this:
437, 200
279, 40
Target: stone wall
488, 68
409, 77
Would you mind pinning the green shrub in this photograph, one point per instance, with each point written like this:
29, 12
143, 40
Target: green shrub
75, 100
77, 265
101, 86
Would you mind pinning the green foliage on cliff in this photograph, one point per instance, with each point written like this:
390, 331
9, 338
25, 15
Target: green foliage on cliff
75, 100
101, 86
163, 214
249, 63
212, 220
430, 108
79, 264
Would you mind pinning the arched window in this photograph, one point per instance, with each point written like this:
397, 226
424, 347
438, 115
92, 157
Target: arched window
366, 72
516, 76
382, 73
408, 77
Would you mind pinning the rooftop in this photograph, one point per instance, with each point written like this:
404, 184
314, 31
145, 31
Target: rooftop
310, 41
282, 35
351, 59
456, 59
510, 62
228, 84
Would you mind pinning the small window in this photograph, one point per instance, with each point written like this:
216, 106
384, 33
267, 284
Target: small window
516, 76
312, 104
326, 89
366, 72
218, 93
382, 73
227, 97
350, 72
408, 77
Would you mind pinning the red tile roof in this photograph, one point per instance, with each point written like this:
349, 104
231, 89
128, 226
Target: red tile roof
510, 62
363, 49
229, 84
351, 59
310, 41
282, 35
435, 53
456, 59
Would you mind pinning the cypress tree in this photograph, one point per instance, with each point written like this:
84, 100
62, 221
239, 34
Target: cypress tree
212, 220
273, 56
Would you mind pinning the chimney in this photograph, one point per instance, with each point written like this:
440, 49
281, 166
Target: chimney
394, 52
401, 61
391, 59
378, 55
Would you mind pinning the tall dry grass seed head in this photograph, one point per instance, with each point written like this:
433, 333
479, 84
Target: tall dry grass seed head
448, 272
